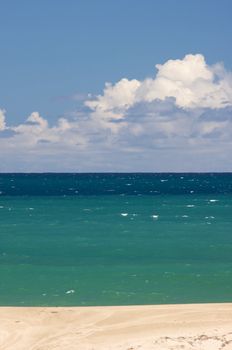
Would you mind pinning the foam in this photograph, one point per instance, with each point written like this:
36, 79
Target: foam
155, 216
71, 291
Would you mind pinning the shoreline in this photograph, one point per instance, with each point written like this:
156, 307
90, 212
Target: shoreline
158, 327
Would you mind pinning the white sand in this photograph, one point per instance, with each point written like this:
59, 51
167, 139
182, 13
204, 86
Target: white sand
176, 327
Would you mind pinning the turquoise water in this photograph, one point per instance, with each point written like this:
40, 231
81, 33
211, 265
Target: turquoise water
116, 239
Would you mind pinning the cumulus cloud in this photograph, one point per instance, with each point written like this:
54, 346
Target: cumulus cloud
36, 130
190, 81
182, 113
2, 120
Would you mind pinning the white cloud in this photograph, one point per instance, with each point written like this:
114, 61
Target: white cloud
190, 81
112, 104
36, 130
2, 120
120, 96
35, 125
158, 124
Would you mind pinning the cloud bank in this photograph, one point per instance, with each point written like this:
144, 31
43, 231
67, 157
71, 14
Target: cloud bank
178, 120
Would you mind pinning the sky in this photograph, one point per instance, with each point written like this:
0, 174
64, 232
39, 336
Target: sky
115, 86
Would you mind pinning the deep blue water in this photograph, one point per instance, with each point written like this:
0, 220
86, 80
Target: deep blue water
128, 184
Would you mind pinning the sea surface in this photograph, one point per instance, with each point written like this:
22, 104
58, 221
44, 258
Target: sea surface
115, 239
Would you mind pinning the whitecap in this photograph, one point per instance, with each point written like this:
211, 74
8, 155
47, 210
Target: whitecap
190, 205
155, 216
124, 214
213, 200
71, 291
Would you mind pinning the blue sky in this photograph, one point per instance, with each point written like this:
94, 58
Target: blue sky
57, 55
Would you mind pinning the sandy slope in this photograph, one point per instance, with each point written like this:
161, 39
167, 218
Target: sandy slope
176, 327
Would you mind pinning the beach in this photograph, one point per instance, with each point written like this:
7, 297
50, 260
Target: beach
158, 327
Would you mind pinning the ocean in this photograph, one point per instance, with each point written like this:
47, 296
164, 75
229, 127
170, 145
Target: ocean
115, 239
